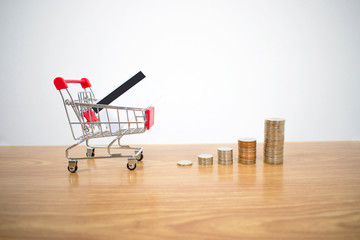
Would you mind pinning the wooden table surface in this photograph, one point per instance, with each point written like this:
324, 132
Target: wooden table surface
315, 194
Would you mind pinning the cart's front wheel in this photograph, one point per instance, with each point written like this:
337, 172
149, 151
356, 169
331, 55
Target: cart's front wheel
131, 166
72, 167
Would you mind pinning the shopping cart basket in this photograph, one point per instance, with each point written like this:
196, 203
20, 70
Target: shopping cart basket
89, 120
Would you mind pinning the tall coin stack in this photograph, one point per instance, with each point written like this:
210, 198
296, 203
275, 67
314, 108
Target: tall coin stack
247, 150
225, 156
274, 140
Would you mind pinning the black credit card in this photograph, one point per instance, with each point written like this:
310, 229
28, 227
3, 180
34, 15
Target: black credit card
121, 90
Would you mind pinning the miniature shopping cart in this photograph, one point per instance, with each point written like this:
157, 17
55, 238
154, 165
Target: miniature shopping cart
89, 120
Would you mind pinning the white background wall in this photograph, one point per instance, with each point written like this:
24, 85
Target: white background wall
215, 69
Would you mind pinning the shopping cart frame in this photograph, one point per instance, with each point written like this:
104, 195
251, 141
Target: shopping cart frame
92, 125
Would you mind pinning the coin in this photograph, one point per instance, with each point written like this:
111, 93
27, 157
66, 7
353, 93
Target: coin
274, 149
247, 150
273, 157
224, 149
275, 120
247, 145
184, 163
248, 157
225, 162
270, 144
205, 156
247, 154
274, 127
270, 161
269, 153
246, 161
247, 139
274, 138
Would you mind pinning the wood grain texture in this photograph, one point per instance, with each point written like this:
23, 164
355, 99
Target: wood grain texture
315, 194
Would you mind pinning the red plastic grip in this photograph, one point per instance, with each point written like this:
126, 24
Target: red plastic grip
150, 117
61, 83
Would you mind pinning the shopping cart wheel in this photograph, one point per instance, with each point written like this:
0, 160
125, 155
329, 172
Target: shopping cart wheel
131, 166
90, 152
140, 157
72, 167
72, 170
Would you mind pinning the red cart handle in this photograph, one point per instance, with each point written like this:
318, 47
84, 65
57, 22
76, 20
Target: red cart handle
61, 83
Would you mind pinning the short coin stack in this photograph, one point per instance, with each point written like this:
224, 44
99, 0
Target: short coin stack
225, 156
274, 140
205, 159
247, 150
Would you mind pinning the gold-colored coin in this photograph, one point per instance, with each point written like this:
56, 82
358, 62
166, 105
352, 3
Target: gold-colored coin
247, 155
247, 142
247, 158
275, 120
247, 150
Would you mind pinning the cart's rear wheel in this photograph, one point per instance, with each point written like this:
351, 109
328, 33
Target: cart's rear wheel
140, 157
90, 152
131, 166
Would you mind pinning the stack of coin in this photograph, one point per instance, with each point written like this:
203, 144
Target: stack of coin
274, 140
225, 156
205, 159
247, 150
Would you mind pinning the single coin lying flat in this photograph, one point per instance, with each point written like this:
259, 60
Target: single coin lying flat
184, 163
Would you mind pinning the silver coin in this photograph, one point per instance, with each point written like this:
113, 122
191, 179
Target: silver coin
225, 162
245, 161
251, 140
224, 149
205, 156
184, 163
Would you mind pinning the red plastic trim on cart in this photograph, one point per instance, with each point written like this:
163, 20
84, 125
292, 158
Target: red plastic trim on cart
150, 117
61, 83
90, 116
